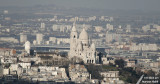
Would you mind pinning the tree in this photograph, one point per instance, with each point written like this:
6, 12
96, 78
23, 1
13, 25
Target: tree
120, 63
94, 71
100, 54
150, 73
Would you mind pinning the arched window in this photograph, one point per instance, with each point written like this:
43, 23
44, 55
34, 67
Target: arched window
74, 36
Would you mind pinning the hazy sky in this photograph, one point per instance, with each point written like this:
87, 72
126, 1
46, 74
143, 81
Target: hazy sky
146, 5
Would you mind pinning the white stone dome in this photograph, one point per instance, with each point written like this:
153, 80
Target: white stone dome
83, 35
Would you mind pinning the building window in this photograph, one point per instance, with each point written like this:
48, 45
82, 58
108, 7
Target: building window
24, 71
38, 70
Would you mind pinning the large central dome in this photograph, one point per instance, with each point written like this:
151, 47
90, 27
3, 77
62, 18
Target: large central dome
83, 35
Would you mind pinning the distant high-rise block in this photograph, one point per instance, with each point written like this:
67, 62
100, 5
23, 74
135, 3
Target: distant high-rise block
39, 38
112, 37
43, 25
23, 38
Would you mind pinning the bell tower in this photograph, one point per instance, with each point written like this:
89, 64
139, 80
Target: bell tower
73, 41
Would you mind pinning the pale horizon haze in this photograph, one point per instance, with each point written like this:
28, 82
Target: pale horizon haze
144, 5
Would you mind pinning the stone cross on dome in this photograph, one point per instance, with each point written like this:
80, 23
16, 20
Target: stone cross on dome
84, 26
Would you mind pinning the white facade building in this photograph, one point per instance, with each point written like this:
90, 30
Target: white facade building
82, 47
9, 39
144, 47
109, 27
111, 77
98, 28
53, 39
5, 71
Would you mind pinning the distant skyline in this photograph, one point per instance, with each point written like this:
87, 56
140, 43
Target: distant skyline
144, 5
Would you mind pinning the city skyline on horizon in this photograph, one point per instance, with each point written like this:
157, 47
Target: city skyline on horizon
144, 5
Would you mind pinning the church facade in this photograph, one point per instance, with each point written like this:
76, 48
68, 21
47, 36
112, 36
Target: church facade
81, 46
